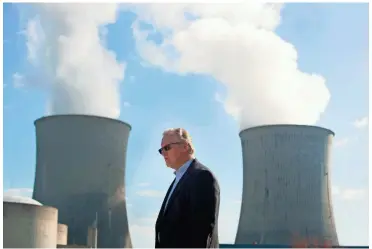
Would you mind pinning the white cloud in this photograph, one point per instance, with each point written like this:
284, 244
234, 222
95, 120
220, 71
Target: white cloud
142, 231
228, 221
143, 184
238, 202
150, 193
349, 194
66, 45
143, 236
230, 106
342, 142
335, 190
18, 80
236, 45
361, 122
147, 220
353, 194
35, 39
25, 192
126, 104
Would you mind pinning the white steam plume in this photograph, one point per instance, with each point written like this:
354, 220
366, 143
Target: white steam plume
66, 43
237, 45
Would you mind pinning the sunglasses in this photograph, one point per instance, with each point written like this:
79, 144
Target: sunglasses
167, 147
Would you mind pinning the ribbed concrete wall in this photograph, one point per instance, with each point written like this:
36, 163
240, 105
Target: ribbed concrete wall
29, 226
286, 187
80, 169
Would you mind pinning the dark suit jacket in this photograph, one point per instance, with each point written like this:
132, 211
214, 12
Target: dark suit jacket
191, 217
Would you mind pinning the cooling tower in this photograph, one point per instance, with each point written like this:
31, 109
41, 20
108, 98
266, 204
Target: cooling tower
80, 169
286, 186
29, 225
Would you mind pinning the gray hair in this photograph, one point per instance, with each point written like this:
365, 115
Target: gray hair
183, 135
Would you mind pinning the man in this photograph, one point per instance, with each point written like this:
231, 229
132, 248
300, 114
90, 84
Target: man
188, 217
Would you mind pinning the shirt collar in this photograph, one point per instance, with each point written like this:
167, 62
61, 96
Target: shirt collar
179, 172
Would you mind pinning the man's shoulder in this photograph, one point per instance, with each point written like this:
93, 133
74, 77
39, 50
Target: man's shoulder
200, 170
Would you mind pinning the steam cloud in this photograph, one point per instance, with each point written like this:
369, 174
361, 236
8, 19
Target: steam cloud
235, 44
66, 43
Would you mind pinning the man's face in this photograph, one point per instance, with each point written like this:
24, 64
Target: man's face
172, 149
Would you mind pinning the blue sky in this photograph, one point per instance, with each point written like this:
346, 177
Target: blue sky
330, 39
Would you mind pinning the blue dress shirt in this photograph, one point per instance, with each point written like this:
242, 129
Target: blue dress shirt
179, 173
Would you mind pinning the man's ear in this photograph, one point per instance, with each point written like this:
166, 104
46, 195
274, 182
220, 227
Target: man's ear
186, 146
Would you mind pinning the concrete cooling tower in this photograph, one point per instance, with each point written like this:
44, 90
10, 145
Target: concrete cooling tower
80, 170
286, 186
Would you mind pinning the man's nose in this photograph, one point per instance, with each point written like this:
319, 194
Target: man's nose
164, 152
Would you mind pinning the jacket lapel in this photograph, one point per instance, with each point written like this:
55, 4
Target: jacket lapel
178, 187
161, 213
166, 196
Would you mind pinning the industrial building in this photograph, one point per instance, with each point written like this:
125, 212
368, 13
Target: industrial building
28, 224
62, 235
286, 188
79, 190
80, 170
